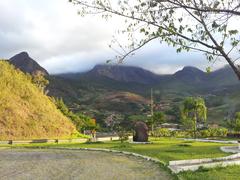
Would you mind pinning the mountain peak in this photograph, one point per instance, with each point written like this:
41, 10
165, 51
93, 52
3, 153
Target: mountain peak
22, 54
191, 68
26, 64
124, 73
190, 74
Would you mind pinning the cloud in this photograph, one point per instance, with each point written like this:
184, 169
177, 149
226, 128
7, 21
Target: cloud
49, 28
61, 41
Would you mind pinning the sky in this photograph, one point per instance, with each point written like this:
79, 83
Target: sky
62, 41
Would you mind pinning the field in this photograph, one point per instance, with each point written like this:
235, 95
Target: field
167, 149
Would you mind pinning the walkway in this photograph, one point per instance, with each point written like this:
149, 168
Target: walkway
76, 164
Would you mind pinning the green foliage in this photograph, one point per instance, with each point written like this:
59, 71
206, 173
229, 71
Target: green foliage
213, 132
162, 132
25, 111
81, 121
122, 127
157, 119
235, 123
193, 112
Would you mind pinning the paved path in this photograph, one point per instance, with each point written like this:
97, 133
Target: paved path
72, 164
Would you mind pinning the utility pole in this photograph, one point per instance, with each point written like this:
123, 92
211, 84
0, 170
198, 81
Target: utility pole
151, 103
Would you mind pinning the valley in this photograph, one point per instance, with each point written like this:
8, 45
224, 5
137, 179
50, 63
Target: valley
92, 92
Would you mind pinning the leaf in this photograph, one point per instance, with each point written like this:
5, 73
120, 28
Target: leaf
208, 69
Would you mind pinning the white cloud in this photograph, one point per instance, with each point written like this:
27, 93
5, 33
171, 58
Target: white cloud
61, 41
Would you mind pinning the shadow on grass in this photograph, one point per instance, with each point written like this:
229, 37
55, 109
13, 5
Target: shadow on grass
123, 146
98, 142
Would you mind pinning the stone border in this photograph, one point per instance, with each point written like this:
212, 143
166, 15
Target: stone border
58, 141
230, 149
195, 164
209, 140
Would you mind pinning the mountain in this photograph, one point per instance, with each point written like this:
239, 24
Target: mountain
102, 90
26, 64
119, 73
108, 89
190, 74
25, 111
224, 77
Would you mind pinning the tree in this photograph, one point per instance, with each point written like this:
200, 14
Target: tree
208, 26
158, 118
113, 121
81, 121
123, 129
193, 112
235, 123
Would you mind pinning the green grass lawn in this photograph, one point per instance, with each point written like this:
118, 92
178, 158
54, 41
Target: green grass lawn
167, 149
219, 173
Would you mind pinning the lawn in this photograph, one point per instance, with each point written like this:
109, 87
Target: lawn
219, 173
167, 149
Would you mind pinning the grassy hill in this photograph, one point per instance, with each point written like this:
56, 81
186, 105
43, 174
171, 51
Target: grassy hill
25, 112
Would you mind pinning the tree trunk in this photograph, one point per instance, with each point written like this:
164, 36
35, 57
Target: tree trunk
195, 125
231, 63
152, 128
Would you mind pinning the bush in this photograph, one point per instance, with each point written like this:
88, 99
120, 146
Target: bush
182, 134
214, 132
162, 132
211, 132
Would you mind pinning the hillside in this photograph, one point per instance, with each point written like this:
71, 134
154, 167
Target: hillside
25, 112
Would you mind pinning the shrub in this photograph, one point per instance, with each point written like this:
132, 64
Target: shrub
214, 132
181, 134
162, 132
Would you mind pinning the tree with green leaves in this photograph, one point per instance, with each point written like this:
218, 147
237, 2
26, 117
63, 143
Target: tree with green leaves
207, 26
193, 112
235, 123
81, 121
157, 119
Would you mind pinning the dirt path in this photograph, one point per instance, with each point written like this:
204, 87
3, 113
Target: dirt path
70, 164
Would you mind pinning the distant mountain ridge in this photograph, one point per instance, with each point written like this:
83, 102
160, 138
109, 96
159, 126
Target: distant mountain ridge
124, 73
26, 64
131, 74
128, 74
